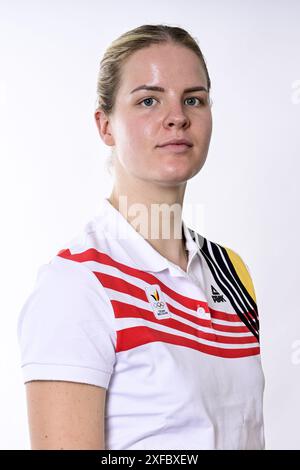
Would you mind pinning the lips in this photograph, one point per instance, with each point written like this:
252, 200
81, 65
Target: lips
168, 145
176, 145
177, 142
175, 148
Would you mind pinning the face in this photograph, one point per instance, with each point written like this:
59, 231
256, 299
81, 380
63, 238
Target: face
143, 120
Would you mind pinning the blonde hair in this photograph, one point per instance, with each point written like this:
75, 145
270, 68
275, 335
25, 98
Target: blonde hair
109, 76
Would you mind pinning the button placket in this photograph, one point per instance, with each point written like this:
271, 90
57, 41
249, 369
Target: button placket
204, 315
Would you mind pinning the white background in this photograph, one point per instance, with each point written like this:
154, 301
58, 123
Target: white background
52, 173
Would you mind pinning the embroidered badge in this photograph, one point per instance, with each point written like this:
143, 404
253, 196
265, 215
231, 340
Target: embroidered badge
157, 302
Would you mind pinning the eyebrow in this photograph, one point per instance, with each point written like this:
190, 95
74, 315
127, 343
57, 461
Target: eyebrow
159, 88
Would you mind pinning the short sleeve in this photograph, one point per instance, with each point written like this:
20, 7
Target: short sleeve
66, 328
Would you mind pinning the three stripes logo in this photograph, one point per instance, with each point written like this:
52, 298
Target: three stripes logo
216, 296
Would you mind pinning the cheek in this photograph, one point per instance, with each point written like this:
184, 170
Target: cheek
135, 130
132, 140
140, 136
126, 138
150, 129
142, 133
209, 123
206, 129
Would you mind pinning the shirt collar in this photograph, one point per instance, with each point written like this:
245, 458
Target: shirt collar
136, 249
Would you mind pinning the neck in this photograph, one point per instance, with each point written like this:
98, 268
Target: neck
157, 217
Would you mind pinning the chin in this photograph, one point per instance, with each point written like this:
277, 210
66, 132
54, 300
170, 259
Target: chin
175, 176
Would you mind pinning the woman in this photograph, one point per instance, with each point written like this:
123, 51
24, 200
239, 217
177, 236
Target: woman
140, 333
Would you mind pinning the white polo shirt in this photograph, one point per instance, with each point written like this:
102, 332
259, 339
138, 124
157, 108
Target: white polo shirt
178, 352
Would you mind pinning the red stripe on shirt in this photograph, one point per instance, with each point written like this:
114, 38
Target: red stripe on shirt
123, 310
130, 338
120, 285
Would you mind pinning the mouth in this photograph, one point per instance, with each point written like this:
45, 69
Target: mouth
176, 148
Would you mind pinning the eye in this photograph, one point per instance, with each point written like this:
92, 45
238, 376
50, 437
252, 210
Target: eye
147, 99
202, 101
199, 99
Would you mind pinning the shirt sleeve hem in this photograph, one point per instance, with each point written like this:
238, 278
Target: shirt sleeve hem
67, 373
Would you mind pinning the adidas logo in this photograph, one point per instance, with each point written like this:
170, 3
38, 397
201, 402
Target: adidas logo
216, 296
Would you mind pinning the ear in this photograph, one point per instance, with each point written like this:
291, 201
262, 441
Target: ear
104, 127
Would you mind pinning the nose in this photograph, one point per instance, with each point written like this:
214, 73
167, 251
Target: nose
177, 118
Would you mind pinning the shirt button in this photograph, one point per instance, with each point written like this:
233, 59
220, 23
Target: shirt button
203, 314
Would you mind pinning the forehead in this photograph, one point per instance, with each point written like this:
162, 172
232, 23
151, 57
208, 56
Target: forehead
163, 64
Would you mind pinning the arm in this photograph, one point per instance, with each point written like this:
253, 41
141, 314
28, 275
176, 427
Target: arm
65, 415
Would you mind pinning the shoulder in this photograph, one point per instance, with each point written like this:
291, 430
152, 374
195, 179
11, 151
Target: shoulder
236, 264
66, 327
226, 261
66, 288
230, 274
93, 243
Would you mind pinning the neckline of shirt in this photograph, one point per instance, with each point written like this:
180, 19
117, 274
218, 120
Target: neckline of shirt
139, 251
